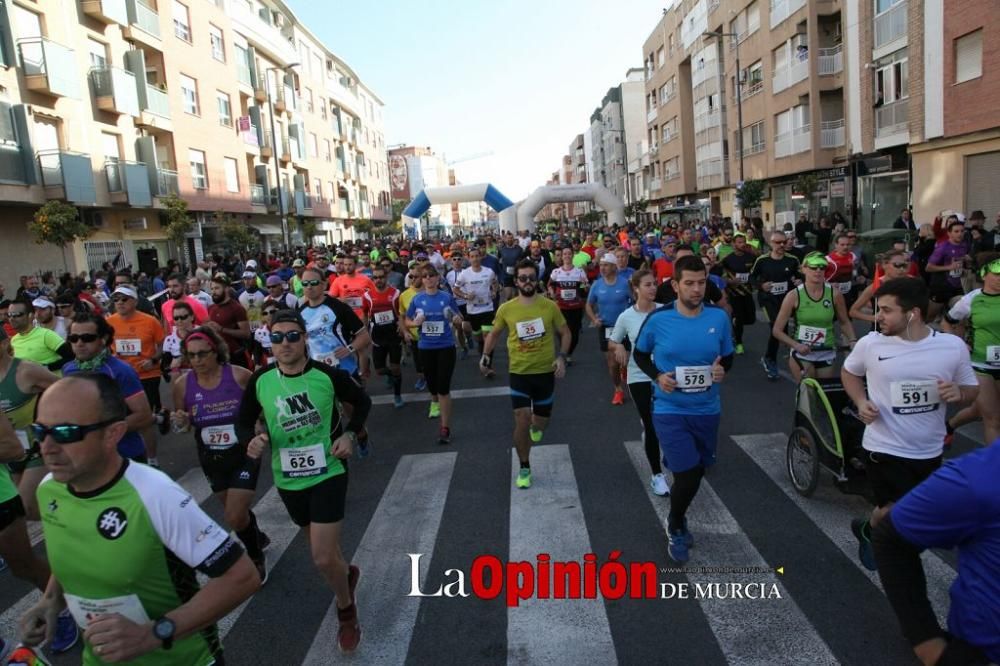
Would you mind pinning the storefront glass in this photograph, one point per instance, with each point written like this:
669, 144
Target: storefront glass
880, 198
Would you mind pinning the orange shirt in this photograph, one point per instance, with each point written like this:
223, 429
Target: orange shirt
137, 339
351, 289
663, 270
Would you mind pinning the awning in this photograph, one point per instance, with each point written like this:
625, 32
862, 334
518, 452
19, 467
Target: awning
267, 229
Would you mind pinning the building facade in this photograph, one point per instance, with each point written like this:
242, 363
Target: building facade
233, 105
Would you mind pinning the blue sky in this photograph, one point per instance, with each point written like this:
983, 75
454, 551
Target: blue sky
519, 78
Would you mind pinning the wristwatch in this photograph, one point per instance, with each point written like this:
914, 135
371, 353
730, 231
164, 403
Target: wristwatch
164, 629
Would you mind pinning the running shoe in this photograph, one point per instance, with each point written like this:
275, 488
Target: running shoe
444, 436
862, 530
463, 353
397, 401
619, 398
67, 633
261, 565
739, 349
524, 478
420, 385
491, 373
770, 367
24, 656
434, 411
677, 546
535, 434
349, 632
659, 485
3, 565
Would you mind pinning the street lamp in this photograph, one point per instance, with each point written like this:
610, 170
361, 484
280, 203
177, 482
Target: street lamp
286, 237
739, 91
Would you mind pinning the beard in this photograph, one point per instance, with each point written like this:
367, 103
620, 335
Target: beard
526, 290
218, 298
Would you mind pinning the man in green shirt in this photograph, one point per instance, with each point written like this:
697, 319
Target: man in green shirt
299, 400
99, 508
531, 321
36, 343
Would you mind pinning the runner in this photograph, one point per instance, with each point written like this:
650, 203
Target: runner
814, 305
910, 369
479, 286
381, 308
35, 343
124, 541
183, 325
433, 312
410, 334
945, 266
894, 265
208, 399
299, 399
568, 285
252, 299
175, 295
138, 341
276, 292
336, 333
627, 327
686, 348
510, 254
610, 295
351, 286
531, 321
463, 332
840, 271
737, 263
45, 317
774, 274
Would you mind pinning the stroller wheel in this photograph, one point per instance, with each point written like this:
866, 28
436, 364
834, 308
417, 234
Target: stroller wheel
802, 461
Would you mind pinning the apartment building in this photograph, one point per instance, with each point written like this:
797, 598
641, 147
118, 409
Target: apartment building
415, 168
615, 125
233, 105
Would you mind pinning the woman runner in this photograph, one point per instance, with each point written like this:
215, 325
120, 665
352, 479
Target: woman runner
568, 286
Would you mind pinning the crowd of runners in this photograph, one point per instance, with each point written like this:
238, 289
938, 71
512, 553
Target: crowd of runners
267, 358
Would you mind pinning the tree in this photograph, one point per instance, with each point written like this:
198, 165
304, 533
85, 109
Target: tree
179, 220
363, 225
636, 208
237, 235
398, 206
806, 185
309, 230
750, 194
59, 224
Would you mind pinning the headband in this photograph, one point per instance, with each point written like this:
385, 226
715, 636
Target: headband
198, 335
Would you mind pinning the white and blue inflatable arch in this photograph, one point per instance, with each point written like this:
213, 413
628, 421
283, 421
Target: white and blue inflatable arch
596, 193
433, 196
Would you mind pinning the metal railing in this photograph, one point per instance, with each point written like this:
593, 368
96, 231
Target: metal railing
669, 136
790, 74
753, 149
798, 140
668, 96
707, 121
782, 9
707, 71
114, 175
157, 101
258, 195
147, 18
892, 118
50, 165
101, 78
832, 134
751, 88
830, 61
651, 114
671, 175
167, 182
891, 24
266, 139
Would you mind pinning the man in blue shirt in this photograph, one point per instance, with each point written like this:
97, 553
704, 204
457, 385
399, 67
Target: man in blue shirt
956, 506
609, 296
686, 348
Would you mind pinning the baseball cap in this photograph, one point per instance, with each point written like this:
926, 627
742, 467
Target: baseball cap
273, 280
252, 263
126, 291
421, 256
298, 263
42, 302
609, 258
249, 274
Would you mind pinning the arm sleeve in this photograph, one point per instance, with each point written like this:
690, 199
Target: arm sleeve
250, 410
350, 392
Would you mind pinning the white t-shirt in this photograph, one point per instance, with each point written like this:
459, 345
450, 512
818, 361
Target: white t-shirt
452, 277
902, 382
627, 326
477, 285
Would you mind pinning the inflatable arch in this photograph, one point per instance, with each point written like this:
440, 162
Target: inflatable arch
593, 192
454, 194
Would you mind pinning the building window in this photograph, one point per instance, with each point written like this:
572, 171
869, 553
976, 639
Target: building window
326, 150
969, 56
885, 5
322, 108
98, 53
317, 188
661, 58
892, 80
218, 46
199, 173
189, 93
225, 110
182, 21
232, 174
313, 146
307, 95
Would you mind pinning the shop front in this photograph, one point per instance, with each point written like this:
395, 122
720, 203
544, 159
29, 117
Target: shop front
883, 187
831, 195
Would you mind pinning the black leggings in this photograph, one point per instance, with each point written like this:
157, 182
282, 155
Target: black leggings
744, 313
771, 307
685, 487
642, 395
574, 319
439, 366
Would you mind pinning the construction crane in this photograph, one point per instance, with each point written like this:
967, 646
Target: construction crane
468, 158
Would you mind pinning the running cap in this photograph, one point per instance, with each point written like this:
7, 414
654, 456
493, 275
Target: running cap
273, 281
42, 302
815, 260
249, 274
992, 267
126, 291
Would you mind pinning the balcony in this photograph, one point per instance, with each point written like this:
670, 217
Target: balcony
892, 118
707, 121
751, 88
258, 196
668, 137
890, 26
259, 87
167, 183
798, 140
143, 24
285, 155
303, 202
832, 134
790, 74
655, 185
830, 61
115, 90
701, 74
266, 144
67, 175
278, 101
128, 182
782, 9
49, 67
106, 11
671, 175
711, 173
753, 149
154, 111
651, 114
259, 29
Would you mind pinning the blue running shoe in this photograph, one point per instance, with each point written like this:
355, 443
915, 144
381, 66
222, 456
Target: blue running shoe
67, 633
397, 401
420, 385
677, 545
862, 530
364, 447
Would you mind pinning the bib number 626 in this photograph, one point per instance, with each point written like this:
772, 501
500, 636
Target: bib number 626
302, 462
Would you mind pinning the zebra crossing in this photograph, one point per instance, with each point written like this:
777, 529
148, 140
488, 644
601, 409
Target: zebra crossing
556, 517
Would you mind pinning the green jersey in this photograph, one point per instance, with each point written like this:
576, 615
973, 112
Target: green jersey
983, 312
530, 334
8, 490
303, 420
814, 319
132, 548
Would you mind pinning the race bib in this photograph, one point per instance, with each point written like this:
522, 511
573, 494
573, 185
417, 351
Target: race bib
84, 611
843, 287
303, 461
914, 396
128, 346
530, 330
743, 278
693, 378
957, 273
432, 328
22, 436
812, 336
510, 270
778, 288
608, 332
218, 437
993, 354
353, 301
383, 318
567, 294
329, 358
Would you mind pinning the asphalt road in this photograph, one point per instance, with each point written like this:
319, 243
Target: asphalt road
451, 505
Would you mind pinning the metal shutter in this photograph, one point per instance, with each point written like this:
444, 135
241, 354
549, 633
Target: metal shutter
981, 191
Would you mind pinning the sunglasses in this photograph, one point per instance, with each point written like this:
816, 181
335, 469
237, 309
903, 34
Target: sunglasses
181, 317
120, 299
900, 265
74, 338
277, 337
525, 278
200, 354
311, 283
816, 267
68, 433
268, 313
16, 315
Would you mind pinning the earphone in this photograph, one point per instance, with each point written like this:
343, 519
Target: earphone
910, 318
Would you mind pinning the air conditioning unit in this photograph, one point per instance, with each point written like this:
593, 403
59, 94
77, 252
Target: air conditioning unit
137, 224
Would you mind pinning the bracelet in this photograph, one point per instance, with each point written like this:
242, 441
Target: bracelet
561, 355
